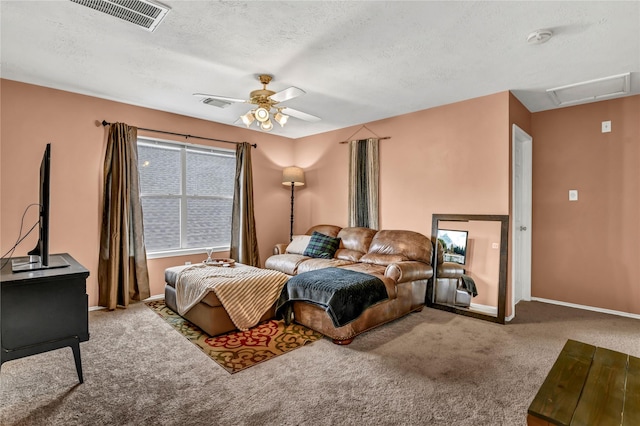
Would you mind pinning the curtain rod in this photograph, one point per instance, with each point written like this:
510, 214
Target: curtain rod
364, 126
386, 137
106, 123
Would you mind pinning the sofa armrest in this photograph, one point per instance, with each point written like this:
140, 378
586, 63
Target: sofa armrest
410, 270
449, 270
280, 248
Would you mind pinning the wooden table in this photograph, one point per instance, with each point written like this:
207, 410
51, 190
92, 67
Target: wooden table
588, 385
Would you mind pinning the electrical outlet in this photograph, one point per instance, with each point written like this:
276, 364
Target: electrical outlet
187, 263
606, 126
495, 246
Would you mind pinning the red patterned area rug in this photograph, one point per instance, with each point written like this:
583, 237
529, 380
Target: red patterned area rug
238, 350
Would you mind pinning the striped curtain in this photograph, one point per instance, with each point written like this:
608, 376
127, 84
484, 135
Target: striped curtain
364, 167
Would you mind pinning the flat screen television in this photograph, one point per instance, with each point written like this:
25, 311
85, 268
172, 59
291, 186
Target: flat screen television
454, 244
39, 257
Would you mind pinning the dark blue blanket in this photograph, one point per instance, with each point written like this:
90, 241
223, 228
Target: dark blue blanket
344, 294
469, 285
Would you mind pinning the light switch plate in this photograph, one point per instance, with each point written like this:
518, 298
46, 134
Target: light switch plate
573, 195
495, 246
606, 126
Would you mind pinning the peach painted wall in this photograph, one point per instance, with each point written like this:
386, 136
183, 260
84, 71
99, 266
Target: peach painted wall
518, 114
450, 159
587, 251
31, 116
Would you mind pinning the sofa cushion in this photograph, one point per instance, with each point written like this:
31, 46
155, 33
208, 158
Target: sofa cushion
391, 246
349, 255
450, 270
314, 264
383, 259
298, 244
286, 263
330, 230
354, 243
322, 246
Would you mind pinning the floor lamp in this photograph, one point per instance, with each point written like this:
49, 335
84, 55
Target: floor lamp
293, 176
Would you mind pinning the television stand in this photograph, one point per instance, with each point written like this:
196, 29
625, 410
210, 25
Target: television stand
42, 310
33, 263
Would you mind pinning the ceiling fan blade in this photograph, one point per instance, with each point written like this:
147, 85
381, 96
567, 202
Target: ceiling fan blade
222, 98
286, 94
299, 114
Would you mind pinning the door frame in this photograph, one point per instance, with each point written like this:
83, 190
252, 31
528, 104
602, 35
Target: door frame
521, 249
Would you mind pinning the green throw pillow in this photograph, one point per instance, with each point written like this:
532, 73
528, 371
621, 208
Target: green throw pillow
322, 246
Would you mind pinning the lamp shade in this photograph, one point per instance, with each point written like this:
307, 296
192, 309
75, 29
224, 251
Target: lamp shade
281, 118
267, 126
293, 175
248, 118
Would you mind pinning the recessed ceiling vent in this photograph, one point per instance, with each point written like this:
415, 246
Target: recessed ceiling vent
216, 102
143, 13
592, 90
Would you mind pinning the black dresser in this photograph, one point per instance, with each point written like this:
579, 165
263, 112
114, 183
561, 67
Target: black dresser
43, 310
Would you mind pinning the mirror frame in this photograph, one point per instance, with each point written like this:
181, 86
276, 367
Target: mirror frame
502, 273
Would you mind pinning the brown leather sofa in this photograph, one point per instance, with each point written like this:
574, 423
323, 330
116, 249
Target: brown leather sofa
448, 288
400, 259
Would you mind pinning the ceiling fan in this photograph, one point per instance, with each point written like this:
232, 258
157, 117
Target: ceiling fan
267, 105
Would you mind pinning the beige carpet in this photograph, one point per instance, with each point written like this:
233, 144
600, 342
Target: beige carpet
429, 368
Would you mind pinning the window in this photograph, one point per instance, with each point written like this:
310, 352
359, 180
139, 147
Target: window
187, 194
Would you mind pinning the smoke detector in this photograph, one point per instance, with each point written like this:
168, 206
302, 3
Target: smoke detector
143, 13
539, 36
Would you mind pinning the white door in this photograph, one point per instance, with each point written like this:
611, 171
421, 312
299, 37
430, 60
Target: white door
521, 221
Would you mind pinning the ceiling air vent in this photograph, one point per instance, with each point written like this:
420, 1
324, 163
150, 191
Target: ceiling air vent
143, 13
216, 102
592, 90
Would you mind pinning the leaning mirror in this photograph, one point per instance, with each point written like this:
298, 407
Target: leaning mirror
471, 273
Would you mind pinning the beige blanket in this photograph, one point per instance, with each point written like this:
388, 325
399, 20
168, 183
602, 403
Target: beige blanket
245, 292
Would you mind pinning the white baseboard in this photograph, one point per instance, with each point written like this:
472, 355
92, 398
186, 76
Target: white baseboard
587, 308
491, 310
156, 297
484, 308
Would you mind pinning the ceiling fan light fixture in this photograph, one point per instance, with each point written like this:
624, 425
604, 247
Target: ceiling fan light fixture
281, 118
267, 125
261, 114
247, 118
265, 102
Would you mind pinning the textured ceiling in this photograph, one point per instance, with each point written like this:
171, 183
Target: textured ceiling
358, 61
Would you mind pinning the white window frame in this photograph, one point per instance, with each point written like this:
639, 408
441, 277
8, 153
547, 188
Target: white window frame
183, 148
